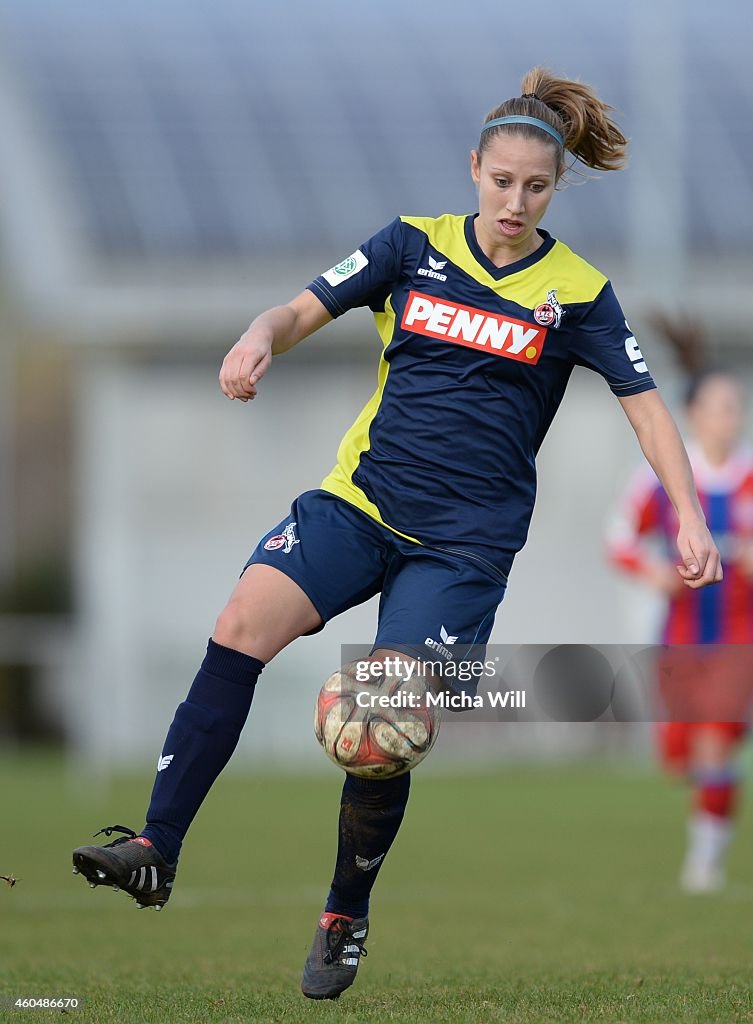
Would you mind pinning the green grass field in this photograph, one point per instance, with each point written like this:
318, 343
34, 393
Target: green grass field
526, 895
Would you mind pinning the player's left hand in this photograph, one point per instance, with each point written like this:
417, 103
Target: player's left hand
702, 564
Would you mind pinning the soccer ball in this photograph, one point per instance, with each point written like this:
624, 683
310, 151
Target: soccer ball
369, 736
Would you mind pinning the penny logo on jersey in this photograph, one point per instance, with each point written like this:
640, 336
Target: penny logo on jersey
474, 328
549, 313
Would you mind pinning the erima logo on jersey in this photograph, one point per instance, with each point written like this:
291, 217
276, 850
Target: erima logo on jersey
164, 762
436, 265
346, 268
474, 328
445, 637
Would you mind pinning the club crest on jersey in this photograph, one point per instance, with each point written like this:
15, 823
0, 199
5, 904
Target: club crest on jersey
494, 333
549, 313
286, 540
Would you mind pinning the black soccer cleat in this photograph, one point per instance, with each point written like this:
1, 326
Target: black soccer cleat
130, 863
332, 964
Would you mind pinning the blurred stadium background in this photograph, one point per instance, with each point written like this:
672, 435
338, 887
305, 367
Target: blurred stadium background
169, 170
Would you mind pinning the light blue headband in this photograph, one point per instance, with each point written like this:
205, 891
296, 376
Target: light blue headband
522, 119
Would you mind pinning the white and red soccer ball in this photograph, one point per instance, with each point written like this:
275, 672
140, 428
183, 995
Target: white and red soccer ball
363, 734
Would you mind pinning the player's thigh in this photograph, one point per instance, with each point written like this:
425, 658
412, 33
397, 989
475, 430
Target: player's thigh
438, 608
266, 611
324, 557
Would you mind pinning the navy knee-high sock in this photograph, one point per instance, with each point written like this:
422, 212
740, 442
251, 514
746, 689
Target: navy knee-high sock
199, 743
371, 811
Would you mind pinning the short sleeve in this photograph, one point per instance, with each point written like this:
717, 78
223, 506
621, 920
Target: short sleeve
604, 343
364, 277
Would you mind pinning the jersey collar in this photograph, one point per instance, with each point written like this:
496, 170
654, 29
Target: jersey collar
512, 268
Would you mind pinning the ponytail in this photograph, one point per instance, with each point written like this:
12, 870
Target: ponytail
573, 110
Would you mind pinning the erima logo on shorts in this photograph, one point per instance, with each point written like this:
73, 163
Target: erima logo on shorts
474, 328
440, 648
286, 540
346, 268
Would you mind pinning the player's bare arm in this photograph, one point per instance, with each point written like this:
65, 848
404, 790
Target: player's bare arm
662, 445
271, 333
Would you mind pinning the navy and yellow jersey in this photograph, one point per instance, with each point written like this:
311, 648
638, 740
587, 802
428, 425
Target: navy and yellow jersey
475, 362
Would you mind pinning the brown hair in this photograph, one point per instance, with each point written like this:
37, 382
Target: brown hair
571, 108
689, 343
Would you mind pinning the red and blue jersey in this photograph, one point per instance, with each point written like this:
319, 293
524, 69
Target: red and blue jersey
720, 614
475, 362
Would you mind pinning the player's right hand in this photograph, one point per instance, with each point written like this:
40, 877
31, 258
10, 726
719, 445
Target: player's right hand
244, 365
701, 563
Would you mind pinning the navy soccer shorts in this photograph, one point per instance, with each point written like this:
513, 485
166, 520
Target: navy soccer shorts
434, 602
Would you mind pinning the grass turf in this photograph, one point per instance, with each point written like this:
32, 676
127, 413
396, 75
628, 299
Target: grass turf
524, 895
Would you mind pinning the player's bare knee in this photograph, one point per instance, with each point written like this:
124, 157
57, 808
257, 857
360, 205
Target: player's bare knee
235, 629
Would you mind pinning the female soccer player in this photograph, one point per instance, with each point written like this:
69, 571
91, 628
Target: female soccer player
702, 752
482, 318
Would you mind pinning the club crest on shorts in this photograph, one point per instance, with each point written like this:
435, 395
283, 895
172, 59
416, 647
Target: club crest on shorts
286, 540
549, 313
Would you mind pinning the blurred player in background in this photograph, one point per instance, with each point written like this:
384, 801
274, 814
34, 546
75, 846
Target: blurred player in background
482, 319
702, 752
